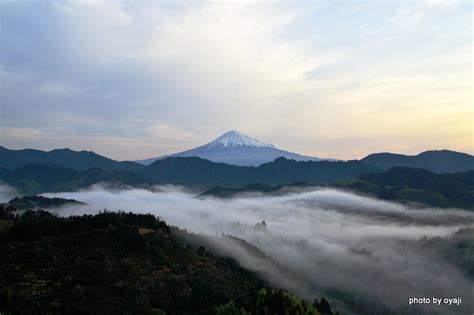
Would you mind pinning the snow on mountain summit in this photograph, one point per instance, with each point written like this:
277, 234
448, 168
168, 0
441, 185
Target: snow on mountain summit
237, 139
235, 148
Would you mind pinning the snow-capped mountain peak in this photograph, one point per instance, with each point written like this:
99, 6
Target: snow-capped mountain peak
237, 139
235, 148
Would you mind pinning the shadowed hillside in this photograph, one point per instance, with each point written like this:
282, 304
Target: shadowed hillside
77, 160
399, 183
196, 172
38, 178
121, 263
191, 172
442, 161
417, 185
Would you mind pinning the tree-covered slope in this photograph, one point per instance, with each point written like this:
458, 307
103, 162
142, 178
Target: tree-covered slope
417, 185
38, 178
118, 263
204, 174
40, 202
191, 172
398, 184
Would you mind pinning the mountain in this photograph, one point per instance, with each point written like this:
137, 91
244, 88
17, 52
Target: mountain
236, 148
192, 172
417, 185
442, 161
33, 179
204, 174
77, 160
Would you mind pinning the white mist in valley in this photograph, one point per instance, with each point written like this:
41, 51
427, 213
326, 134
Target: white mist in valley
7, 193
349, 248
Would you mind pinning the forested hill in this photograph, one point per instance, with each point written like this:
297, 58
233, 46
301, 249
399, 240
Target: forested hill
400, 184
124, 263
436, 161
191, 172
197, 172
38, 178
417, 185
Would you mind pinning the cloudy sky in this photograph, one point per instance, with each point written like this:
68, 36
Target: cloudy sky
137, 79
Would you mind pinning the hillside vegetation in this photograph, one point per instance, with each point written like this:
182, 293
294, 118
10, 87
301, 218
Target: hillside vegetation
399, 184
34, 179
191, 172
123, 263
417, 185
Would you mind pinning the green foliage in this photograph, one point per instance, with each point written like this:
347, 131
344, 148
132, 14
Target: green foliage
27, 186
230, 309
266, 302
123, 263
33, 179
114, 263
36, 224
466, 200
423, 196
227, 192
418, 186
359, 185
458, 249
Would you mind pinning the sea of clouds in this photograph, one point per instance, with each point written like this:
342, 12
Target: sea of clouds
360, 252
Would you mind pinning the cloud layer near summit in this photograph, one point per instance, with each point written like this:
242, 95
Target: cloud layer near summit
139, 79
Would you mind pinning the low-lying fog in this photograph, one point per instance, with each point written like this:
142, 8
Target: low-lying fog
6, 193
360, 252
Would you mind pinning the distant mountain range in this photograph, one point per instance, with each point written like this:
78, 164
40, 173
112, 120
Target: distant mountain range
34, 171
235, 148
232, 148
442, 161
192, 172
77, 160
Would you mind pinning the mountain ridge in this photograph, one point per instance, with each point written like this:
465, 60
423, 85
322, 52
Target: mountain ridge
39, 178
192, 172
437, 161
77, 160
202, 173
